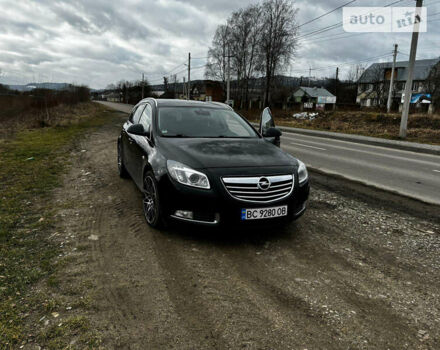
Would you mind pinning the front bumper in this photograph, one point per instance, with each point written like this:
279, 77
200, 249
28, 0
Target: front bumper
216, 207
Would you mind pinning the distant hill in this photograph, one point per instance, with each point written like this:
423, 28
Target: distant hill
32, 86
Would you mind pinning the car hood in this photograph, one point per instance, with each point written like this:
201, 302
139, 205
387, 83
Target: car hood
200, 153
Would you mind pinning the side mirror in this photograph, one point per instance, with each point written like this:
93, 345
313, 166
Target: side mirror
272, 132
138, 129
273, 135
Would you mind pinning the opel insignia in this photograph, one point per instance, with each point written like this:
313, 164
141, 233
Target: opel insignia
201, 162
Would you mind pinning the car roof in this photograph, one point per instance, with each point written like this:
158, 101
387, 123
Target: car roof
186, 103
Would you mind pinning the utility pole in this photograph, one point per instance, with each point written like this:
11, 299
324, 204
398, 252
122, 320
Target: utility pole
228, 84
409, 81
336, 86
188, 96
175, 85
184, 87
390, 93
142, 86
310, 74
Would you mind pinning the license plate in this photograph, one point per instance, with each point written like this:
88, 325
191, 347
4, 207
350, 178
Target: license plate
263, 213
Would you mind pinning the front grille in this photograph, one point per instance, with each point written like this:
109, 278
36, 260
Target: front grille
261, 189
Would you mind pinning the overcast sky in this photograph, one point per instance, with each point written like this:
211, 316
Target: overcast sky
101, 42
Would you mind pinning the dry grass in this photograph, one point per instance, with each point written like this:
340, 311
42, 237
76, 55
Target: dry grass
19, 113
31, 165
421, 127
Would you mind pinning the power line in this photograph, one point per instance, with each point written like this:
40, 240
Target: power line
343, 36
335, 37
325, 14
169, 72
345, 64
336, 25
154, 81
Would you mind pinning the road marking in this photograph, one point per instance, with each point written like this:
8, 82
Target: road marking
437, 171
320, 139
378, 153
301, 144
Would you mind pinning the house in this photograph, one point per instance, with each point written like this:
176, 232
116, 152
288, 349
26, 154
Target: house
310, 97
207, 90
374, 83
111, 96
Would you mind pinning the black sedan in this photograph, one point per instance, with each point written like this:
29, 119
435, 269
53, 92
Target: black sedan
201, 162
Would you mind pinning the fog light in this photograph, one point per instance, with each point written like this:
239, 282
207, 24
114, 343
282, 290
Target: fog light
186, 214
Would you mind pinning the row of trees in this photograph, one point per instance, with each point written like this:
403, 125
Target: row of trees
70, 95
259, 40
129, 91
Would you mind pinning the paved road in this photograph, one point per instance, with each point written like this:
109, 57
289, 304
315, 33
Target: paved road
413, 174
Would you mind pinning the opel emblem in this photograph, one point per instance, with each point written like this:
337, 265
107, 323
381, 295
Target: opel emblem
263, 184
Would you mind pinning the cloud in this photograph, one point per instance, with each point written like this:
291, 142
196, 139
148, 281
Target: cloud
100, 42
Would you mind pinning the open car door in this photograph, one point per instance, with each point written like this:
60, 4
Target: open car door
267, 128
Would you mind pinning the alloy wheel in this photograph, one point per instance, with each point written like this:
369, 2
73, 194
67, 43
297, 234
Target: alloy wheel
150, 200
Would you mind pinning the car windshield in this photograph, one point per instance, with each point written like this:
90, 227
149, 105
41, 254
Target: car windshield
202, 122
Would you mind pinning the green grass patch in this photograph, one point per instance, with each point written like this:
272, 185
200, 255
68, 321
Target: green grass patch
31, 165
76, 328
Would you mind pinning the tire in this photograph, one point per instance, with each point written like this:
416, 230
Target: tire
123, 173
151, 201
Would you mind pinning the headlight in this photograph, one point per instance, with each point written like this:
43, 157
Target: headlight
187, 176
302, 172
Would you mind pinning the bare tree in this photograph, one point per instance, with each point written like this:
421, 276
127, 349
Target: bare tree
355, 72
244, 28
216, 66
432, 86
260, 38
380, 86
278, 39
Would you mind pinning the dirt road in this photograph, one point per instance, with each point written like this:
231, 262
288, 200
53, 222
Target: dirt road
351, 274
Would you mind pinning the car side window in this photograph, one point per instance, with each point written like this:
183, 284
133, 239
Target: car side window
137, 114
146, 117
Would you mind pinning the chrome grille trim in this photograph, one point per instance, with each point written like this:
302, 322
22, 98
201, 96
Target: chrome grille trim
268, 191
255, 179
246, 188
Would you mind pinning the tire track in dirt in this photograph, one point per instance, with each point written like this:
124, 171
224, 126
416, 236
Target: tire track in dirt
130, 301
217, 286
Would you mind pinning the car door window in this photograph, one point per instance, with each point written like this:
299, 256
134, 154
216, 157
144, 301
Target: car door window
137, 114
146, 117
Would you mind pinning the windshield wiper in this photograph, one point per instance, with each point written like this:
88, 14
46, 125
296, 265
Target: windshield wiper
229, 137
177, 135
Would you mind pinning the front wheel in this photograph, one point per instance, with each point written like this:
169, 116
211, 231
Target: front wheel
151, 203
